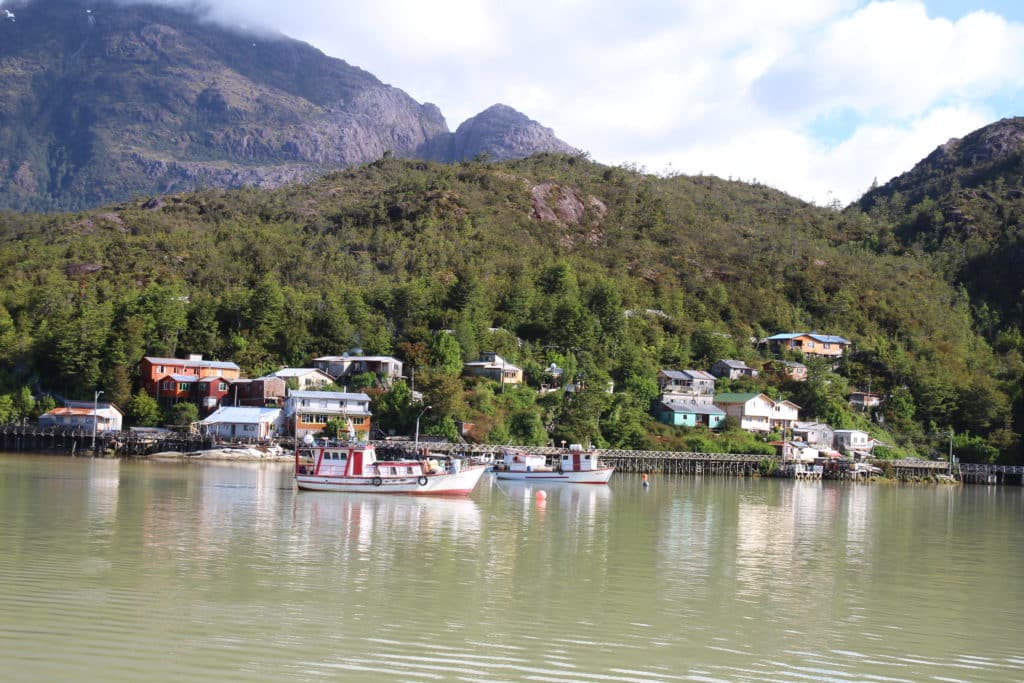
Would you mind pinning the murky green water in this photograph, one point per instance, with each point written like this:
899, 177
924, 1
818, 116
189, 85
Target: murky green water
145, 571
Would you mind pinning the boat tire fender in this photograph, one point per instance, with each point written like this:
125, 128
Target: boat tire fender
422, 481
376, 481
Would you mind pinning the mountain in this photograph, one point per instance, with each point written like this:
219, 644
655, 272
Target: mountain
105, 101
963, 205
609, 273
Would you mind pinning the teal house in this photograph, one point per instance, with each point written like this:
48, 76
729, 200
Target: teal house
687, 414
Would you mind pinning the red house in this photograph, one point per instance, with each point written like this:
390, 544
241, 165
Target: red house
170, 380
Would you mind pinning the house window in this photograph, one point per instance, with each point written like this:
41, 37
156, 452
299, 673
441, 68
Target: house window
810, 345
827, 346
183, 386
160, 369
358, 420
223, 386
168, 386
313, 419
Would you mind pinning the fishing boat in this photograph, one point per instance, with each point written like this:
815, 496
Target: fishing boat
575, 467
353, 467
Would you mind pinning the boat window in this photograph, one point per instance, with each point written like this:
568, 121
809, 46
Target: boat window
394, 470
408, 470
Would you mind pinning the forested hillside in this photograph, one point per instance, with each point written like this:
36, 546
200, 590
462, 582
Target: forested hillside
608, 272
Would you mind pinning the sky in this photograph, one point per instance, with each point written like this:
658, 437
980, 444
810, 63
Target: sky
818, 98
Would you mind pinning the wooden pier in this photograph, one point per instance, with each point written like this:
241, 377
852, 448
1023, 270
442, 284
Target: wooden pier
21, 438
79, 441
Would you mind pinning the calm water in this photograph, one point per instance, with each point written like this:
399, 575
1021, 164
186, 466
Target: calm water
143, 571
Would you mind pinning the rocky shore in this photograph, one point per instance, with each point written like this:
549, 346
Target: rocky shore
247, 454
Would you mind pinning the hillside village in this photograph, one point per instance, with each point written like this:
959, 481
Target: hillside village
315, 401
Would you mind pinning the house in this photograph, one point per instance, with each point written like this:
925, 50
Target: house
262, 392
494, 367
809, 343
816, 434
170, 380
753, 411
788, 368
797, 451
690, 414
386, 368
106, 416
784, 415
863, 400
732, 369
553, 376
308, 412
691, 386
244, 423
210, 393
853, 442
304, 379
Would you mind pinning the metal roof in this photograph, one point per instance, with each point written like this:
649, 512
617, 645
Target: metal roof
336, 395
823, 338
242, 415
219, 364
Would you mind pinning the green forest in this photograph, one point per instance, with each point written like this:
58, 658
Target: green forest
609, 272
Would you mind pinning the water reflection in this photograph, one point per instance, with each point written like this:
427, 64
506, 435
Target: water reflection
184, 572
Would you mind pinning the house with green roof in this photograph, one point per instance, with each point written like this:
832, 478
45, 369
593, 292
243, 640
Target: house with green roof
753, 411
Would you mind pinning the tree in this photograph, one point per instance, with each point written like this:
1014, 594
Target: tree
142, 410
184, 414
446, 354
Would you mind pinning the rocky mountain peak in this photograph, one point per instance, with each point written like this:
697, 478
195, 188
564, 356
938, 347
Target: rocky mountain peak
106, 100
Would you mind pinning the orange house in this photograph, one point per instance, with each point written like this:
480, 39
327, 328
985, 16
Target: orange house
174, 379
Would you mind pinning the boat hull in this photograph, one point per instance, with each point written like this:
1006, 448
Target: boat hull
599, 476
460, 483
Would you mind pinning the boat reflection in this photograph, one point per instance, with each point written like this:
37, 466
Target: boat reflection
368, 517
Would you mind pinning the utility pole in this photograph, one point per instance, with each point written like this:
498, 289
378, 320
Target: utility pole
95, 419
416, 438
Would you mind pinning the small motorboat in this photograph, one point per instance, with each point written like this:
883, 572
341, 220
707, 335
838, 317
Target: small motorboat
577, 466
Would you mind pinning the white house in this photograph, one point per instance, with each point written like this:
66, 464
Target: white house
688, 386
244, 423
784, 415
853, 442
492, 366
306, 378
798, 451
80, 415
308, 412
753, 411
388, 369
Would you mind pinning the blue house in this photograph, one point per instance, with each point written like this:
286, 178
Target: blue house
687, 414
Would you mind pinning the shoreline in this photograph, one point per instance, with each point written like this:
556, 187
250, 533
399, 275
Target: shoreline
252, 454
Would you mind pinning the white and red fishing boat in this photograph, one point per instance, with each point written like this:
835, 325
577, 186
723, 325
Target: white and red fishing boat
575, 467
352, 467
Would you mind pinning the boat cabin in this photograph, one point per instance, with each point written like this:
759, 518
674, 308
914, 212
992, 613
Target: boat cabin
333, 459
520, 461
579, 460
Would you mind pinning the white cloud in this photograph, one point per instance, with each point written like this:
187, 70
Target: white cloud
891, 58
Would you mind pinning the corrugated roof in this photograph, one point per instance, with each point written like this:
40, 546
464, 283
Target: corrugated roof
241, 415
337, 395
736, 397
688, 374
823, 338
219, 364
694, 408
